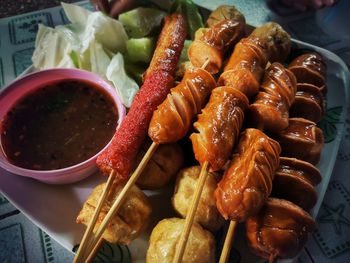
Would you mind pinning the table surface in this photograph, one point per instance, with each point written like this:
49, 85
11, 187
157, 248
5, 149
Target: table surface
22, 241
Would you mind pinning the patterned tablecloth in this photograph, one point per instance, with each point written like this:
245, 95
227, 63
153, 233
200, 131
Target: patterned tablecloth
22, 241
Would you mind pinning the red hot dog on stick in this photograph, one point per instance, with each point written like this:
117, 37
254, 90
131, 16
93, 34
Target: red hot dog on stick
121, 153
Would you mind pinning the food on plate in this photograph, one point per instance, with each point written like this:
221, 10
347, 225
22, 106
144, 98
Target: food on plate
269, 111
92, 42
211, 44
173, 118
280, 230
191, 13
130, 220
169, 45
276, 39
309, 103
246, 65
247, 182
58, 125
163, 166
207, 215
140, 21
302, 139
310, 68
121, 153
163, 242
218, 126
140, 49
295, 181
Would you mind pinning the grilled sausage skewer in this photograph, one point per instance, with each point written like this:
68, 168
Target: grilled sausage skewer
221, 120
280, 229
117, 159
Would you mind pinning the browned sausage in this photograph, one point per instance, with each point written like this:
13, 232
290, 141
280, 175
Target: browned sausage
279, 230
302, 139
270, 109
173, 118
218, 126
247, 182
211, 44
310, 68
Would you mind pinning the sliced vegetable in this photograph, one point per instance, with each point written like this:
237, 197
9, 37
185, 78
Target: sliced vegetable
141, 21
140, 49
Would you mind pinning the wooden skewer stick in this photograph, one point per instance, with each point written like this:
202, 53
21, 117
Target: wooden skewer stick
89, 230
121, 197
225, 252
93, 253
191, 213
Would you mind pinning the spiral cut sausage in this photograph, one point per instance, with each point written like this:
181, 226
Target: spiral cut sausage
279, 230
295, 181
247, 63
173, 118
310, 70
302, 139
126, 142
247, 182
218, 126
245, 67
226, 27
271, 106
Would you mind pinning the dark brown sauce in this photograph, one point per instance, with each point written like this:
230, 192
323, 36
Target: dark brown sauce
58, 125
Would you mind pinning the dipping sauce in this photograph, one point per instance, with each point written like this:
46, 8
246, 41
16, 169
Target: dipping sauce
58, 125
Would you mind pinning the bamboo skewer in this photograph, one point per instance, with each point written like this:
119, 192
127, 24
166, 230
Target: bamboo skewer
121, 197
89, 230
191, 213
94, 251
225, 252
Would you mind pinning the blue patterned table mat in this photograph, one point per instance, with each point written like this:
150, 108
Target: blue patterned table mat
21, 241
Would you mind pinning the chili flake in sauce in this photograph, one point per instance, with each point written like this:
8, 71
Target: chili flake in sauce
58, 125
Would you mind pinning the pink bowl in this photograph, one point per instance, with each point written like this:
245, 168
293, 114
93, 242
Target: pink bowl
20, 87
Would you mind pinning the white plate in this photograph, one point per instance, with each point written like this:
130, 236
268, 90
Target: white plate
54, 208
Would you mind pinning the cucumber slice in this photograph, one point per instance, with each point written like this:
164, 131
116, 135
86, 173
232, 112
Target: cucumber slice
141, 21
140, 49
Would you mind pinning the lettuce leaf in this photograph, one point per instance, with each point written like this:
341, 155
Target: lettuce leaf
125, 86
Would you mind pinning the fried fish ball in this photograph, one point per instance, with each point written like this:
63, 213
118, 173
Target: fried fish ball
164, 164
207, 215
165, 236
129, 221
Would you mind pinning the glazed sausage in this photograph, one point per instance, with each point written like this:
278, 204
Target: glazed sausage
295, 181
309, 103
271, 106
245, 67
280, 229
250, 56
247, 182
302, 139
173, 118
218, 126
121, 153
310, 68
211, 44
